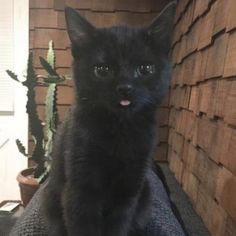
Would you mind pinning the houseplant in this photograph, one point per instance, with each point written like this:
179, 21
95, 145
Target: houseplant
42, 132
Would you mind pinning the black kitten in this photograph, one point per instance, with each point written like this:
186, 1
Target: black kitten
98, 184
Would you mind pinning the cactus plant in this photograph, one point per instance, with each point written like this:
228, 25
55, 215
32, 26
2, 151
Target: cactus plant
41, 153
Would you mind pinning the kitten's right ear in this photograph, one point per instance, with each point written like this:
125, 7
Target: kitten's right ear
78, 28
161, 28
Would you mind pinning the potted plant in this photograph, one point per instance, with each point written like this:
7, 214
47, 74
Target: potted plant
42, 132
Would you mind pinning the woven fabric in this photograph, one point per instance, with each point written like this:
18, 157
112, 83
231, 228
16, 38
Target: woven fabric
31, 222
162, 223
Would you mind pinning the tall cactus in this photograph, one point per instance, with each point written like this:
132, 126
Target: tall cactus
43, 145
36, 127
51, 98
35, 124
51, 118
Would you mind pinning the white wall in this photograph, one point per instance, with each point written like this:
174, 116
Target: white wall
14, 124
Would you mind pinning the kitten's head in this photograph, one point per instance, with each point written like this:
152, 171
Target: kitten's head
120, 68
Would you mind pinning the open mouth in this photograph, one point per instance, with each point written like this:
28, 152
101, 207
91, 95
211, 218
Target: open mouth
125, 103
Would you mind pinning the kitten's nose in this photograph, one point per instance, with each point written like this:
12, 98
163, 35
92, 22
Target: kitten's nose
124, 89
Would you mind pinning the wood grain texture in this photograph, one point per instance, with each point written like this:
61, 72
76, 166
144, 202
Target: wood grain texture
202, 120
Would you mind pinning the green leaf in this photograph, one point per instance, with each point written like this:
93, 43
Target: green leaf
53, 79
13, 75
31, 78
46, 65
51, 58
21, 148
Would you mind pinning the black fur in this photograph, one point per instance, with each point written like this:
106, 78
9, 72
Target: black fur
98, 185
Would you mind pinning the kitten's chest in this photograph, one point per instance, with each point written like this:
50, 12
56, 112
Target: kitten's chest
106, 141
116, 153
125, 141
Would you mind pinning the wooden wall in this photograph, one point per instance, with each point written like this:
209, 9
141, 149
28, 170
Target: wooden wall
202, 122
47, 23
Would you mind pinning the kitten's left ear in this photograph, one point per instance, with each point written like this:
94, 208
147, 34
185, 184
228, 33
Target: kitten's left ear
78, 28
161, 28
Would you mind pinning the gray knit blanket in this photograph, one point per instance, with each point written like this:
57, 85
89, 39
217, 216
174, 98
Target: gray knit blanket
163, 221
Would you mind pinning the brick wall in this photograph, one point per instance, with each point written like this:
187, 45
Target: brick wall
202, 121
47, 23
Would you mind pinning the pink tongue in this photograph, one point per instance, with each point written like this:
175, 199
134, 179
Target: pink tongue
125, 102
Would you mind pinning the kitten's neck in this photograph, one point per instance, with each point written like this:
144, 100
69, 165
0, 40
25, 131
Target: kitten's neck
99, 115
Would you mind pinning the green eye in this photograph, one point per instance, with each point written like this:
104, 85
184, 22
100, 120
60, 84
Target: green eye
102, 71
145, 70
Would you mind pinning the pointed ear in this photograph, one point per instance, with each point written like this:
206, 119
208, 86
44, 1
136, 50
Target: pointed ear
161, 28
78, 28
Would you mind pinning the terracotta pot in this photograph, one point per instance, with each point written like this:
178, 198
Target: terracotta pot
28, 185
